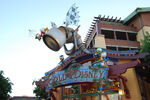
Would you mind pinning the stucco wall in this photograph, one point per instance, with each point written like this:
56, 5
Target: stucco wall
132, 83
100, 41
140, 35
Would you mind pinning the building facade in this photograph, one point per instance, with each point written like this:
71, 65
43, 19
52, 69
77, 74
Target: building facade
110, 70
116, 34
94, 77
121, 35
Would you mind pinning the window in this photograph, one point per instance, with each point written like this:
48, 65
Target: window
111, 48
88, 87
134, 48
122, 49
108, 34
132, 36
121, 35
92, 91
71, 90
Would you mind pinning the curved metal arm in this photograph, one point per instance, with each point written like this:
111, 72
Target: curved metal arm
69, 52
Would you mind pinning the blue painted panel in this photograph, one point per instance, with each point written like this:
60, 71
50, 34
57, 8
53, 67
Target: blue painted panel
84, 73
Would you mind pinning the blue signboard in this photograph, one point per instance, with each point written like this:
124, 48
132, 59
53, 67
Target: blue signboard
83, 73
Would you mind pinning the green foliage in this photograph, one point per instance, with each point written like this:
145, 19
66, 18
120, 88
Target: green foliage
146, 46
5, 87
40, 92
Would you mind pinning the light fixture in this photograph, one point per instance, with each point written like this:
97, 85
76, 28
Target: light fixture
121, 92
54, 39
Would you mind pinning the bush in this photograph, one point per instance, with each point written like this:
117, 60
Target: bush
146, 46
5, 87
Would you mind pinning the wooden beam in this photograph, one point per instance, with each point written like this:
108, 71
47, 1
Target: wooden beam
103, 17
118, 20
99, 17
93, 22
107, 18
114, 20
96, 17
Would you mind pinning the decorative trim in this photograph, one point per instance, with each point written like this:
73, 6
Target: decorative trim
110, 53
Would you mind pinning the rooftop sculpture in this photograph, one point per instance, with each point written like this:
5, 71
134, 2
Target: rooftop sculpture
55, 38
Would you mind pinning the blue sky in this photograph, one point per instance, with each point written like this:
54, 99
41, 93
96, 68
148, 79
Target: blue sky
24, 59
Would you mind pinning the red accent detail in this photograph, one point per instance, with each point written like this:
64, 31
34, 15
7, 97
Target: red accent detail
121, 68
115, 71
42, 33
51, 93
125, 86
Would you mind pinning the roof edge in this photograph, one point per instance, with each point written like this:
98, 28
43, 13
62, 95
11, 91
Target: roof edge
136, 12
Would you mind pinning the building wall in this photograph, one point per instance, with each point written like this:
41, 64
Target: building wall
121, 43
135, 23
100, 41
118, 27
132, 83
146, 29
145, 17
140, 35
142, 23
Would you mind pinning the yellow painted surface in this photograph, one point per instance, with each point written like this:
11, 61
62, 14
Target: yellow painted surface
140, 33
146, 28
100, 41
140, 36
132, 83
57, 94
